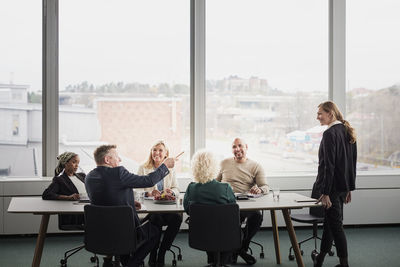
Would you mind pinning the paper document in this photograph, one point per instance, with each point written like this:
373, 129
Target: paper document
247, 195
254, 195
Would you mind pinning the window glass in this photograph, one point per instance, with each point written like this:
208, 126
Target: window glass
267, 71
124, 78
373, 82
21, 88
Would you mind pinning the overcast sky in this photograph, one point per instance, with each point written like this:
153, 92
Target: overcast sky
283, 41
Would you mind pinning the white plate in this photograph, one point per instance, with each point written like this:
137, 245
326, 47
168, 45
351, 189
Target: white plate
165, 201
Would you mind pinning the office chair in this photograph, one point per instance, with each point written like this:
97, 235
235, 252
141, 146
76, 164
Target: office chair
314, 217
72, 223
215, 228
174, 256
110, 230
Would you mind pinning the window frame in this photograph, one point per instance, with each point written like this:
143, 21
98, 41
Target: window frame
50, 135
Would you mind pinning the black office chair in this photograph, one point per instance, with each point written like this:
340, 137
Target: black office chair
72, 222
110, 230
314, 217
215, 228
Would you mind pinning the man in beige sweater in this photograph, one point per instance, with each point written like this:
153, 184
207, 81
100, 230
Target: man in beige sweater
245, 176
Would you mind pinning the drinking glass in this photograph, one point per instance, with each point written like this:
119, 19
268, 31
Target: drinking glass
275, 193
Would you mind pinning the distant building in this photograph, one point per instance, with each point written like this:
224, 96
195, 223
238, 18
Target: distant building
134, 124
21, 132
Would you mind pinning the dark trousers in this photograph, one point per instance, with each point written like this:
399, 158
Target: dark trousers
173, 222
146, 242
254, 220
333, 226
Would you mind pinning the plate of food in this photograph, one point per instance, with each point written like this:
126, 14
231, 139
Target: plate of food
164, 199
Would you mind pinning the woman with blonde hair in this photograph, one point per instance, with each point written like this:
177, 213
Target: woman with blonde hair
207, 190
166, 187
336, 178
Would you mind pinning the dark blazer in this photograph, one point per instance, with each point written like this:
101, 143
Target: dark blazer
113, 186
62, 185
337, 162
213, 192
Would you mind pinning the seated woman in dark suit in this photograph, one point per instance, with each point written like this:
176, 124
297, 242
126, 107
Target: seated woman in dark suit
207, 190
67, 184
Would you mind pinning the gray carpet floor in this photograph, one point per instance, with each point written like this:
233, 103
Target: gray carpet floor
368, 246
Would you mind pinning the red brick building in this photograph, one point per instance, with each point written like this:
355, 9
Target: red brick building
135, 124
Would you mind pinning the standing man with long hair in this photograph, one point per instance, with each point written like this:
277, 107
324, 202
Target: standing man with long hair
336, 178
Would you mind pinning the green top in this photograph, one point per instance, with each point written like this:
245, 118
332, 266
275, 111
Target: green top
213, 192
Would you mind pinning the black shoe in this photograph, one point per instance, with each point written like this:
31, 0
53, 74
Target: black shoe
234, 257
107, 262
161, 258
153, 258
249, 259
314, 257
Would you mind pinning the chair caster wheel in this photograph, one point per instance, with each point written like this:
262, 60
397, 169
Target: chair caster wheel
301, 252
179, 257
63, 263
291, 257
174, 263
331, 253
93, 259
261, 255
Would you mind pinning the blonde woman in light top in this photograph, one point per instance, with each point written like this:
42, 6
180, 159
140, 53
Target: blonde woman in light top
167, 186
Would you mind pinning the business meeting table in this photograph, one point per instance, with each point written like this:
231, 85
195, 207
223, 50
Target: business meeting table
286, 202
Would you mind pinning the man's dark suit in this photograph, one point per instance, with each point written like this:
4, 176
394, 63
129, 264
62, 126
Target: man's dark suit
113, 187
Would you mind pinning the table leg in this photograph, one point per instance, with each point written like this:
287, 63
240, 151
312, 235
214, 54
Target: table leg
40, 240
276, 237
293, 238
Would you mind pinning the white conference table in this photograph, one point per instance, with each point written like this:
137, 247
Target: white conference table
287, 201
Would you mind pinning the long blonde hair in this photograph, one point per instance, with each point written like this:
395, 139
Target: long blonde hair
149, 163
333, 109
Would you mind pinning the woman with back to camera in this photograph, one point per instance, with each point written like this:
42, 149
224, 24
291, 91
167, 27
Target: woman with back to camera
336, 178
207, 190
168, 187
67, 184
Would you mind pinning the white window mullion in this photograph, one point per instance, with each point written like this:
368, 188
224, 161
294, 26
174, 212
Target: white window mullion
197, 75
337, 53
50, 86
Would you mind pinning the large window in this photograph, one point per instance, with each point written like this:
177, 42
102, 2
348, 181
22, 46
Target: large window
20, 88
267, 70
124, 77
373, 81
